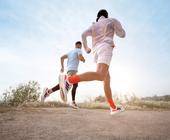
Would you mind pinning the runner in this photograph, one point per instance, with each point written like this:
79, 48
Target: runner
73, 58
102, 33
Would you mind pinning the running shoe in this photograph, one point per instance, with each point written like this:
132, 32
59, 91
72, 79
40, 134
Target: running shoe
116, 110
74, 105
44, 94
65, 86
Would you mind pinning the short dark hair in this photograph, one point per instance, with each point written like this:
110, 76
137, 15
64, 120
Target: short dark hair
102, 12
78, 42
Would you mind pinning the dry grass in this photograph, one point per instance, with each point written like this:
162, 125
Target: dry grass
132, 105
4, 109
94, 105
152, 105
45, 104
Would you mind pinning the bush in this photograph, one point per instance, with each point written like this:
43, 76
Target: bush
100, 99
157, 98
27, 92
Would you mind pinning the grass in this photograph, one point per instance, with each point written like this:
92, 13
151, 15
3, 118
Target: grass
94, 105
152, 105
45, 104
137, 105
26, 95
5, 108
132, 105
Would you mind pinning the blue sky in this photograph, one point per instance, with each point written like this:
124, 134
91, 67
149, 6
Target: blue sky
35, 33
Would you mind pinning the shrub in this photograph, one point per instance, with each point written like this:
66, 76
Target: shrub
27, 92
157, 98
100, 99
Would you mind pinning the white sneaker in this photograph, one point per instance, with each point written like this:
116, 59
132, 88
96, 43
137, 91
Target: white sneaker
44, 94
116, 110
63, 95
65, 86
74, 105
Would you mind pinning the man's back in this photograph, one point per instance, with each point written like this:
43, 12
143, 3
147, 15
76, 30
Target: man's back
103, 31
73, 61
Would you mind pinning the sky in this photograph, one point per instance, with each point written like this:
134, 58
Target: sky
34, 34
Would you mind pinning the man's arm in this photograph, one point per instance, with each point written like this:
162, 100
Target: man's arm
62, 62
81, 58
86, 33
118, 28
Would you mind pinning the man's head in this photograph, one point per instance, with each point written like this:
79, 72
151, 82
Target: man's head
78, 44
102, 12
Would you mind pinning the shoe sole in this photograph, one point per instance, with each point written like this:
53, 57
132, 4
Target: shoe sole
117, 112
74, 107
42, 96
63, 96
63, 93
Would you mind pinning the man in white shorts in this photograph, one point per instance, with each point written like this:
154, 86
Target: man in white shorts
73, 58
102, 33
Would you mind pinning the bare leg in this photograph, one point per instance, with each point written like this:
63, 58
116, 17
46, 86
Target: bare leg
100, 74
107, 89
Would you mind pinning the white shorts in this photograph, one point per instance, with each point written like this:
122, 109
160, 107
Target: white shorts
102, 53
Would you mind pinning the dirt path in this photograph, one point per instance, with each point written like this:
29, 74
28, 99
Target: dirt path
83, 124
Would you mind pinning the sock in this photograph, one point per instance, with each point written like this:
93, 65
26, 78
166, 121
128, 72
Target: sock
74, 79
111, 103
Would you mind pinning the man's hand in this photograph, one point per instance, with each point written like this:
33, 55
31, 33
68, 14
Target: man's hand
113, 46
62, 62
83, 60
62, 70
87, 49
